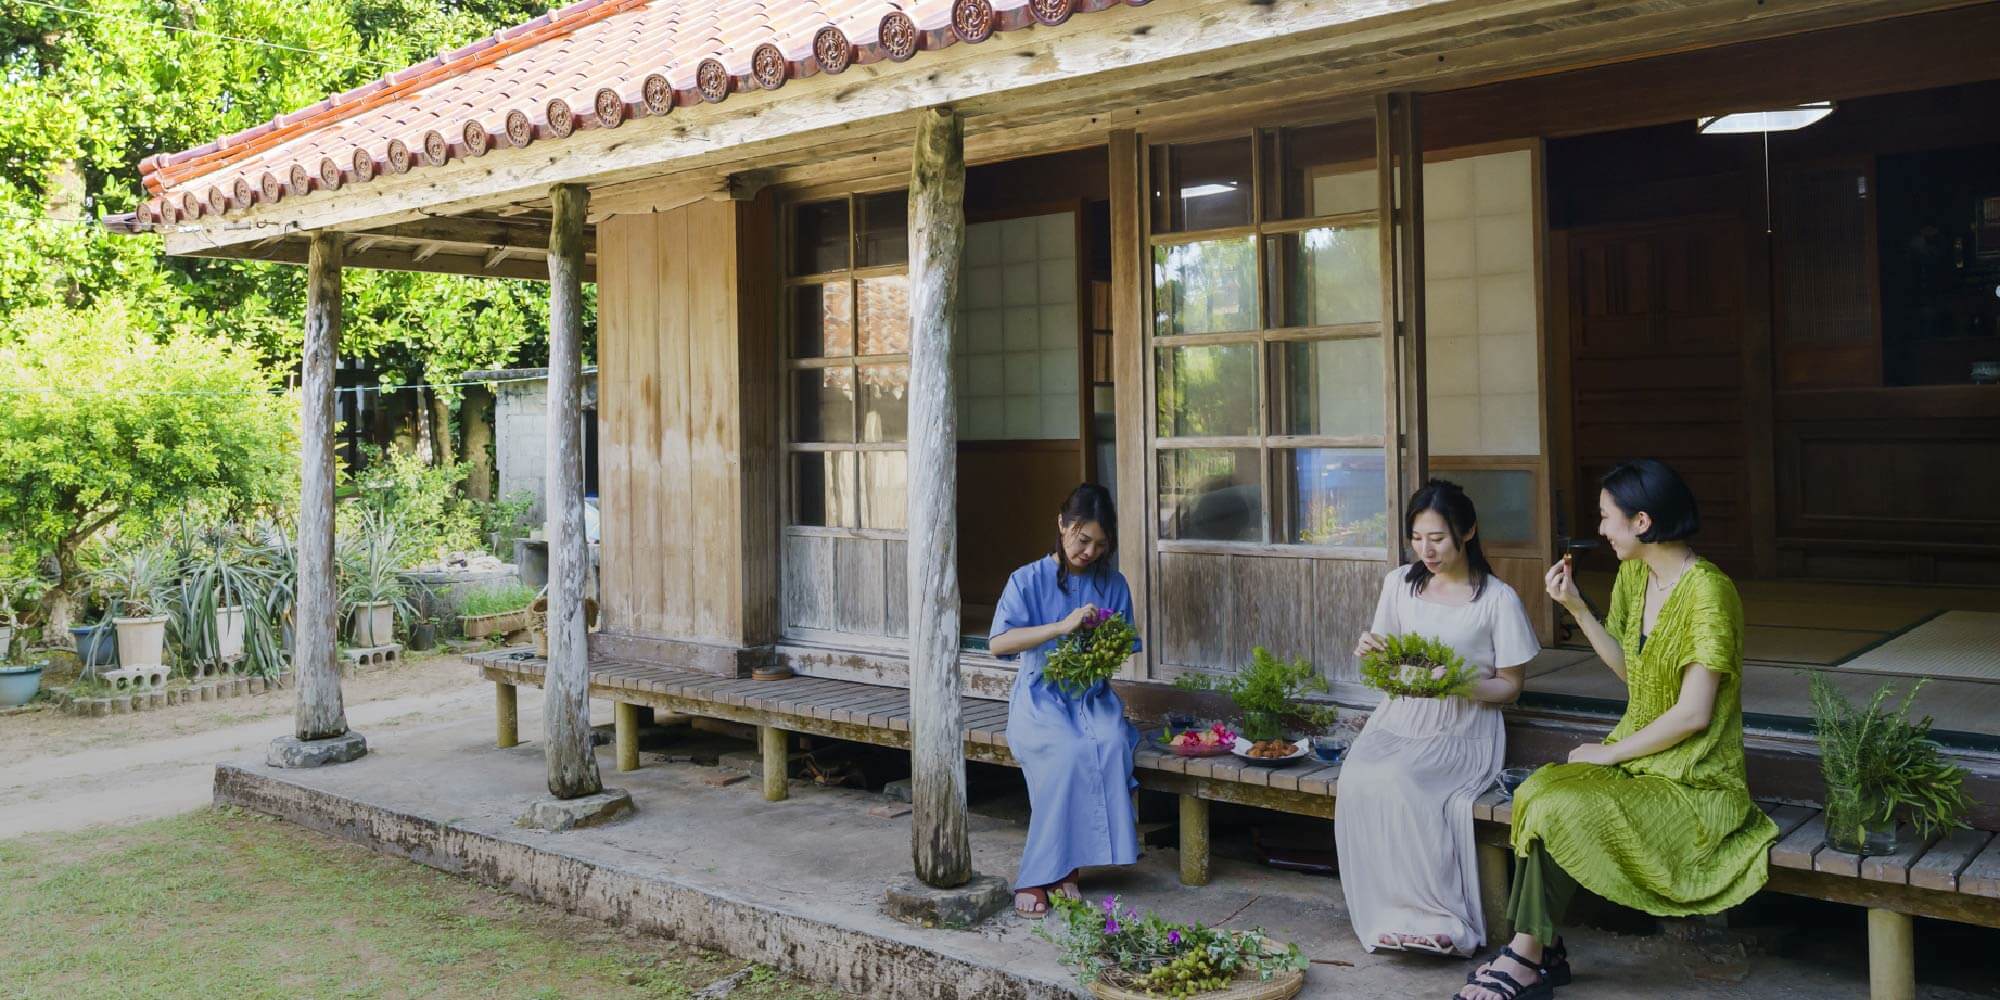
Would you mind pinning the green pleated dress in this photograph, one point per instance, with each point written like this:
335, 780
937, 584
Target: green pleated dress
1674, 833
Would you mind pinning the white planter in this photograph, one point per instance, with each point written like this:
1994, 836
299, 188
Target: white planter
142, 642
372, 625
6, 641
229, 623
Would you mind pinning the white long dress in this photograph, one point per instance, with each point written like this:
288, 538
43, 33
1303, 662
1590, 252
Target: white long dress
1403, 812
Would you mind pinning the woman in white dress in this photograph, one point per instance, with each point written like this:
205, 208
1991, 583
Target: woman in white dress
1403, 820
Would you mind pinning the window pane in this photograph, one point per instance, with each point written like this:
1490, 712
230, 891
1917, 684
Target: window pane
1322, 277
885, 234
1201, 186
1206, 287
884, 489
1323, 170
884, 315
823, 489
823, 321
819, 237
885, 402
1207, 391
823, 404
1211, 494
1506, 502
1332, 496
1329, 388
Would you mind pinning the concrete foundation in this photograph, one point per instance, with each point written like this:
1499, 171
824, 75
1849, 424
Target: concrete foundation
556, 815
958, 908
290, 751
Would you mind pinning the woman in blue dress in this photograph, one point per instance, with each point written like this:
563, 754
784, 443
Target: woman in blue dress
1075, 750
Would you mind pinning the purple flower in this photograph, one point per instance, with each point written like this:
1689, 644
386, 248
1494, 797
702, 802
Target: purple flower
1174, 938
1110, 925
1111, 904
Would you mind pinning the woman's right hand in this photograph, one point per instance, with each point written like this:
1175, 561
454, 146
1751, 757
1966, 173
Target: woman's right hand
1370, 643
1077, 618
1562, 587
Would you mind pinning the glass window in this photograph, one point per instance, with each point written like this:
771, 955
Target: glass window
823, 320
1332, 496
883, 313
885, 402
1205, 287
1211, 494
1207, 391
1324, 277
884, 223
884, 489
1201, 186
1505, 499
819, 237
1328, 388
823, 489
1296, 161
823, 405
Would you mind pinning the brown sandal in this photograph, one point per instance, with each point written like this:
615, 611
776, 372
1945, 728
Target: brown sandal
1039, 905
1068, 886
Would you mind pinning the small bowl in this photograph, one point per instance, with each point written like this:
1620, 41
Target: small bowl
1182, 721
1330, 749
1511, 778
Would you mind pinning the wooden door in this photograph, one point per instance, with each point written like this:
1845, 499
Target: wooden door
1657, 314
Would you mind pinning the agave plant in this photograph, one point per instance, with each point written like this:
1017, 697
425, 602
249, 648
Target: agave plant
140, 581
221, 569
372, 558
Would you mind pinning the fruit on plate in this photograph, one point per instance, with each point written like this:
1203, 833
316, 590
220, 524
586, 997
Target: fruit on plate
1269, 749
1216, 735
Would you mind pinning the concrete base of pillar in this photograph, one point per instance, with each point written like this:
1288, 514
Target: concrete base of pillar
290, 751
556, 815
913, 902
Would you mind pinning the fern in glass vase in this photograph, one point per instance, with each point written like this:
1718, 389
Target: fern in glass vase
1880, 768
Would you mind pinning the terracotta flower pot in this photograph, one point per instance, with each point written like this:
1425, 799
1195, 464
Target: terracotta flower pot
142, 642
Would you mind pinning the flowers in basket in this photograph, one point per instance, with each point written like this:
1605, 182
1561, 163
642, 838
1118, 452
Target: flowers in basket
1091, 653
1415, 666
1157, 957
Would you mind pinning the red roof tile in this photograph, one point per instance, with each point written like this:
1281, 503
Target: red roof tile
593, 64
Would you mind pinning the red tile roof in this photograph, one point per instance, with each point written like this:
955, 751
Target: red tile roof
593, 64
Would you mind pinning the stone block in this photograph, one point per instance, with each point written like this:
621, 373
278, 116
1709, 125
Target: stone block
723, 779
556, 815
958, 908
898, 789
290, 751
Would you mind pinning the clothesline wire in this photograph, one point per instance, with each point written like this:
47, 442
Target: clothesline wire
52, 390
106, 16
94, 223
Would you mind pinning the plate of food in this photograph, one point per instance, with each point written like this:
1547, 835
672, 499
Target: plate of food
1271, 753
1214, 741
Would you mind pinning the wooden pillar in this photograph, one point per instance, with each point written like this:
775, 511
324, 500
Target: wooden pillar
774, 747
506, 715
1194, 840
625, 729
1892, 956
1496, 863
320, 714
566, 710
1400, 201
1131, 274
939, 843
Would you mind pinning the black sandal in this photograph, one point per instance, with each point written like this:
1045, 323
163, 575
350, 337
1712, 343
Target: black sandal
1555, 964
1509, 989
1553, 957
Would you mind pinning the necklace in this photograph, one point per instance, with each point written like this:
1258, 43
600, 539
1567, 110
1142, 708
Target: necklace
1658, 585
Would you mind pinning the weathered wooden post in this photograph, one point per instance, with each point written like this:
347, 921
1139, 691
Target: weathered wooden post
320, 733
580, 796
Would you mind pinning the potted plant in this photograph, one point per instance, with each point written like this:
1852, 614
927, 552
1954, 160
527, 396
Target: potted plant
423, 633
1882, 769
1415, 666
373, 591
140, 583
1119, 954
1268, 694
19, 682
495, 610
221, 580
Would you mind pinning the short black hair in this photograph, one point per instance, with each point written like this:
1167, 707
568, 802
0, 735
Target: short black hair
1650, 485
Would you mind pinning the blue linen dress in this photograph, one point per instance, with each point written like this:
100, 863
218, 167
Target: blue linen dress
1076, 751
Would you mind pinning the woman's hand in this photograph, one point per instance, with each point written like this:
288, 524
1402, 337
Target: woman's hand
1077, 618
1370, 643
1561, 588
1593, 753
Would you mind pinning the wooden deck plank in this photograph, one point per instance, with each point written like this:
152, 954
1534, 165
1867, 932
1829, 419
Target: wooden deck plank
1321, 782
1169, 763
1939, 867
826, 707
1982, 876
1789, 817
1895, 868
865, 711
1482, 807
1834, 862
1797, 848
796, 696
837, 707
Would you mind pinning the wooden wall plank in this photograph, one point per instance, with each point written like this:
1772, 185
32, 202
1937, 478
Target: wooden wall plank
1194, 610
715, 581
757, 435
896, 590
858, 596
670, 481
1343, 606
808, 581
1270, 606
616, 409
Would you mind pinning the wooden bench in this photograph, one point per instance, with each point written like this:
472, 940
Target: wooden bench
1955, 878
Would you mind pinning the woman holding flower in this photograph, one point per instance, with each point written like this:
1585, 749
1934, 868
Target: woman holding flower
1408, 866
1074, 746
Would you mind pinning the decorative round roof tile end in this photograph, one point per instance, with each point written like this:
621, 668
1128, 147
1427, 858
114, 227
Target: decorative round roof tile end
972, 19
769, 66
298, 181
832, 50
712, 80
398, 157
329, 174
190, 205
658, 94
218, 202
168, 216
561, 120
899, 36
520, 131
245, 195
476, 139
364, 165
610, 108
1051, 12
271, 187
436, 150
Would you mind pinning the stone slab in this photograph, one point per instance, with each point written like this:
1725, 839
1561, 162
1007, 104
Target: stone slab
290, 751
959, 908
556, 815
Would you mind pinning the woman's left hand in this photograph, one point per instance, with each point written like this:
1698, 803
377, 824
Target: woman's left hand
1593, 753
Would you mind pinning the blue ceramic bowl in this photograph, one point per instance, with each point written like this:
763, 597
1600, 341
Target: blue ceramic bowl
1330, 749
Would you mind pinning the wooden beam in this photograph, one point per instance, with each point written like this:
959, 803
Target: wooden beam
519, 234
320, 713
939, 843
1130, 277
572, 766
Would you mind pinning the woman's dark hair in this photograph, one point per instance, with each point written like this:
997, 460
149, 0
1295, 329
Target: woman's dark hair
1088, 502
1650, 485
1448, 499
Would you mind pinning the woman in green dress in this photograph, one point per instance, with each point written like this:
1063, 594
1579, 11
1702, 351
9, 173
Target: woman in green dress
1658, 816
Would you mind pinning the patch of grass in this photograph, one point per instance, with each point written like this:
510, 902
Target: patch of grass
229, 904
497, 599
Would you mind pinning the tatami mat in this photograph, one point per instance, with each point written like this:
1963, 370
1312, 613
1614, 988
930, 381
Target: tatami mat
1962, 645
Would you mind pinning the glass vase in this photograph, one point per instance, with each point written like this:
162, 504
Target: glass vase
1855, 826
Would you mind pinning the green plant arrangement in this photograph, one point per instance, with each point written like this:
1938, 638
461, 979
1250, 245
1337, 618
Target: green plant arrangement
1415, 666
1269, 693
140, 580
1117, 951
1881, 768
497, 599
1090, 654
371, 561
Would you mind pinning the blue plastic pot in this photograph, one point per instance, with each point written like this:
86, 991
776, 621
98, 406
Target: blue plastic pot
18, 684
96, 645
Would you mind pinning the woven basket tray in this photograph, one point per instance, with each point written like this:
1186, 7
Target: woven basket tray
1282, 986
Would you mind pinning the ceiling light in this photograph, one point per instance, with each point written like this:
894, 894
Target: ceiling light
1776, 120
1204, 190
